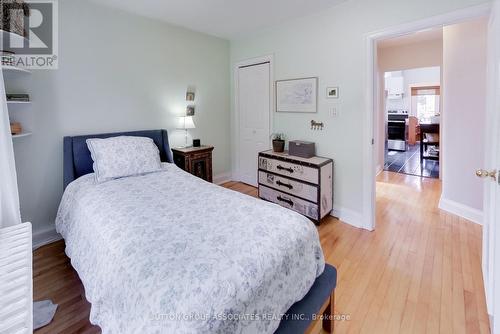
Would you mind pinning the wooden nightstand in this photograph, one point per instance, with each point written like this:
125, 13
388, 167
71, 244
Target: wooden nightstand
195, 160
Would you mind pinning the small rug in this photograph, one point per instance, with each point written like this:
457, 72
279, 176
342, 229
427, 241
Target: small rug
43, 313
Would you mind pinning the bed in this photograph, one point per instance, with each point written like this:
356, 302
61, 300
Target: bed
167, 252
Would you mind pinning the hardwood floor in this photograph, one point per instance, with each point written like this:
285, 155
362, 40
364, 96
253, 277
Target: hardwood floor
54, 278
419, 272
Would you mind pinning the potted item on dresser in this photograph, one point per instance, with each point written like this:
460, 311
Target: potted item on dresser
279, 142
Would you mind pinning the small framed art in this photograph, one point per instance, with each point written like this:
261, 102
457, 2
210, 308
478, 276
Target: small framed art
190, 111
332, 92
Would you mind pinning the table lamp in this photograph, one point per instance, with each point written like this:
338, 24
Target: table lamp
186, 123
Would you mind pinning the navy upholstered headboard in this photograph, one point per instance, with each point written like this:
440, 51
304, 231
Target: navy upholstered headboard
77, 159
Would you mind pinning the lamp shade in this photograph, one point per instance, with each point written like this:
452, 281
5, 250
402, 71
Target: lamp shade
186, 122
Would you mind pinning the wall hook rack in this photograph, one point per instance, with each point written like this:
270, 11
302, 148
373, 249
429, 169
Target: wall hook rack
317, 125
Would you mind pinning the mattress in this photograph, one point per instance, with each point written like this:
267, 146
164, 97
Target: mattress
167, 252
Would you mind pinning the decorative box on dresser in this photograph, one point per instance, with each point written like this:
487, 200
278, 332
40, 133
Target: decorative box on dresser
195, 160
303, 185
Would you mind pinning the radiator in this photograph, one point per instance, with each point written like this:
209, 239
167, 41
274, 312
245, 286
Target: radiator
16, 283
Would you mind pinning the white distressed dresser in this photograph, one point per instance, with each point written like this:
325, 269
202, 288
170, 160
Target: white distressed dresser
303, 185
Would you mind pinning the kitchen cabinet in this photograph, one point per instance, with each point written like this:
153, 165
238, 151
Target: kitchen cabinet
395, 87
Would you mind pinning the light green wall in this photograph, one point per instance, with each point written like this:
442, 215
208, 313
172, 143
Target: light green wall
331, 45
118, 72
121, 72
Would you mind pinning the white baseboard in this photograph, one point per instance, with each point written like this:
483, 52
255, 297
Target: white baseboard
378, 170
461, 210
45, 236
349, 216
222, 178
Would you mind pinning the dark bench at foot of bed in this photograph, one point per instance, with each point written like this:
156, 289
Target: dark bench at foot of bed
319, 301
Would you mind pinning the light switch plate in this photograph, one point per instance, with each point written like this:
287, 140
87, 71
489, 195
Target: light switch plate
335, 111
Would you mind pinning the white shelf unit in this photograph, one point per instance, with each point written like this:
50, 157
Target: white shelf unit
18, 102
22, 135
16, 40
15, 69
11, 73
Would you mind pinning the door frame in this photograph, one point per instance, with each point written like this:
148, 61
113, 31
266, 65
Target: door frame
371, 92
491, 235
236, 175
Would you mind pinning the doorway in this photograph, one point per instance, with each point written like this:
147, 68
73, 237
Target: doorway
373, 84
254, 91
491, 263
462, 123
411, 115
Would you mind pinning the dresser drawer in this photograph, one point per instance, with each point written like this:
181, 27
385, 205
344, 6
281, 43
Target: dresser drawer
295, 171
291, 202
296, 188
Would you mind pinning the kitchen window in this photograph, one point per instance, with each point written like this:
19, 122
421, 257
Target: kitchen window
425, 101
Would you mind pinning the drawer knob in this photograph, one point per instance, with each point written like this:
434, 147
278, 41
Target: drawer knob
285, 200
289, 186
289, 170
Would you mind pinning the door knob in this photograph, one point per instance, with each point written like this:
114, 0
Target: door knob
485, 174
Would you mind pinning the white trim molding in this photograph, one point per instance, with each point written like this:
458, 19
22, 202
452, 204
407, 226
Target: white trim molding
349, 217
370, 82
223, 178
45, 236
461, 210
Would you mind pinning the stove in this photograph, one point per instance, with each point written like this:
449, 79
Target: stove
397, 112
396, 129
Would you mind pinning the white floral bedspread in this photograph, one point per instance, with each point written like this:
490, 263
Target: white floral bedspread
169, 253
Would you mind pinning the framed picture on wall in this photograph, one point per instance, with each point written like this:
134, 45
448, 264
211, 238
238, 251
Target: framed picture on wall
297, 95
190, 111
332, 92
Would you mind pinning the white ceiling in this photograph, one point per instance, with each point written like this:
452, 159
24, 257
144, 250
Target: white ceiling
223, 18
428, 35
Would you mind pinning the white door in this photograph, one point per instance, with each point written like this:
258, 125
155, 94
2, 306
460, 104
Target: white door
491, 221
254, 104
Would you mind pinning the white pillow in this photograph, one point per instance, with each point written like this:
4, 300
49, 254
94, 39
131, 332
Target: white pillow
123, 156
